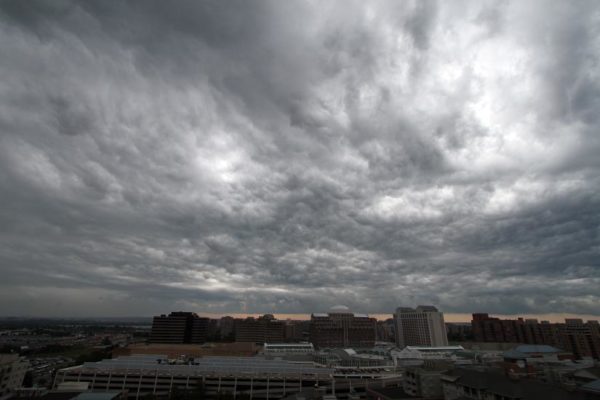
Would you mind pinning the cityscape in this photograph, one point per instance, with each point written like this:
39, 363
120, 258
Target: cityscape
335, 354
299, 200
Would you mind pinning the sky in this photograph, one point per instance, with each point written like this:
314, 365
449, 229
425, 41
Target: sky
286, 156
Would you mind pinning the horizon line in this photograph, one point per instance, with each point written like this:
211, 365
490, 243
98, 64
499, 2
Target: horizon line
448, 317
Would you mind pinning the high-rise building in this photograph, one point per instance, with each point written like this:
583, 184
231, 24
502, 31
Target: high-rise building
179, 327
342, 328
423, 326
265, 329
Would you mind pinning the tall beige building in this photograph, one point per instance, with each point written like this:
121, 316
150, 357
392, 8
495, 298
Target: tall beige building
421, 326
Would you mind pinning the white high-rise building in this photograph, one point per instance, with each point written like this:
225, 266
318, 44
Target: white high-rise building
423, 326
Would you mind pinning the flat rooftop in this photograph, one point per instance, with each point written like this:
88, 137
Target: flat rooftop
205, 366
240, 349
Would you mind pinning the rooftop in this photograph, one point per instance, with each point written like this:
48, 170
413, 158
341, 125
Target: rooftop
204, 365
537, 348
420, 308
497, 383
434, 349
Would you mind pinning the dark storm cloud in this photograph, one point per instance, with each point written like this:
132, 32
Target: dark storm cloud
275, 156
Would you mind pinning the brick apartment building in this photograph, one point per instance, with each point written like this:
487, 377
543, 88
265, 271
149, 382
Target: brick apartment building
178, 328
575, 336
342, 328
264, 329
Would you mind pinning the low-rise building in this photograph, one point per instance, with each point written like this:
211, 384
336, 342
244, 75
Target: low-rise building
350, 358
288, 348
159, 376
417, 355
467, 383
253, 377
424, 383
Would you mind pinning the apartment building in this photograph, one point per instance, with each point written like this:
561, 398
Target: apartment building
342, 328
179, 327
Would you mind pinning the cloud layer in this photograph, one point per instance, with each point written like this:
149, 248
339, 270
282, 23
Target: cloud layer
271, 156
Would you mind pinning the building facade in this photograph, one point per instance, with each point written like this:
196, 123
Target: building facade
274, 349
463, 383
260, 330
575, 336
210, 377
179, 327
342, 328
424, 383
421, 326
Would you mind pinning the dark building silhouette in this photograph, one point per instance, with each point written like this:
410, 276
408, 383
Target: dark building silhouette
179, 327
342, 328
265, 329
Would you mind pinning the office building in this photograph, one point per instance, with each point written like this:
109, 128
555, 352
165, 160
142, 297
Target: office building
179, 327
342, 328
12, 372
260, 330
423, 326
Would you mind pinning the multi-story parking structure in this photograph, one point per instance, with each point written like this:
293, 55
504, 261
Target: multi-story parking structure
255, 377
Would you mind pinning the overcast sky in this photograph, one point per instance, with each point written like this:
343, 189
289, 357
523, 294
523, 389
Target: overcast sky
286, 156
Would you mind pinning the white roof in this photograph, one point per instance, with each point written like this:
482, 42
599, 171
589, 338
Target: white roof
438, 348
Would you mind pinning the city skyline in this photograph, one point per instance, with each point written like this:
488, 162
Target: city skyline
448, 317
285, 156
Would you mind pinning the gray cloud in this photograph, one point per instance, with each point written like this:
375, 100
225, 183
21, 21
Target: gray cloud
285, 156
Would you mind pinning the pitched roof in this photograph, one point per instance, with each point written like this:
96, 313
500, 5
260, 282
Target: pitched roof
514, 355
